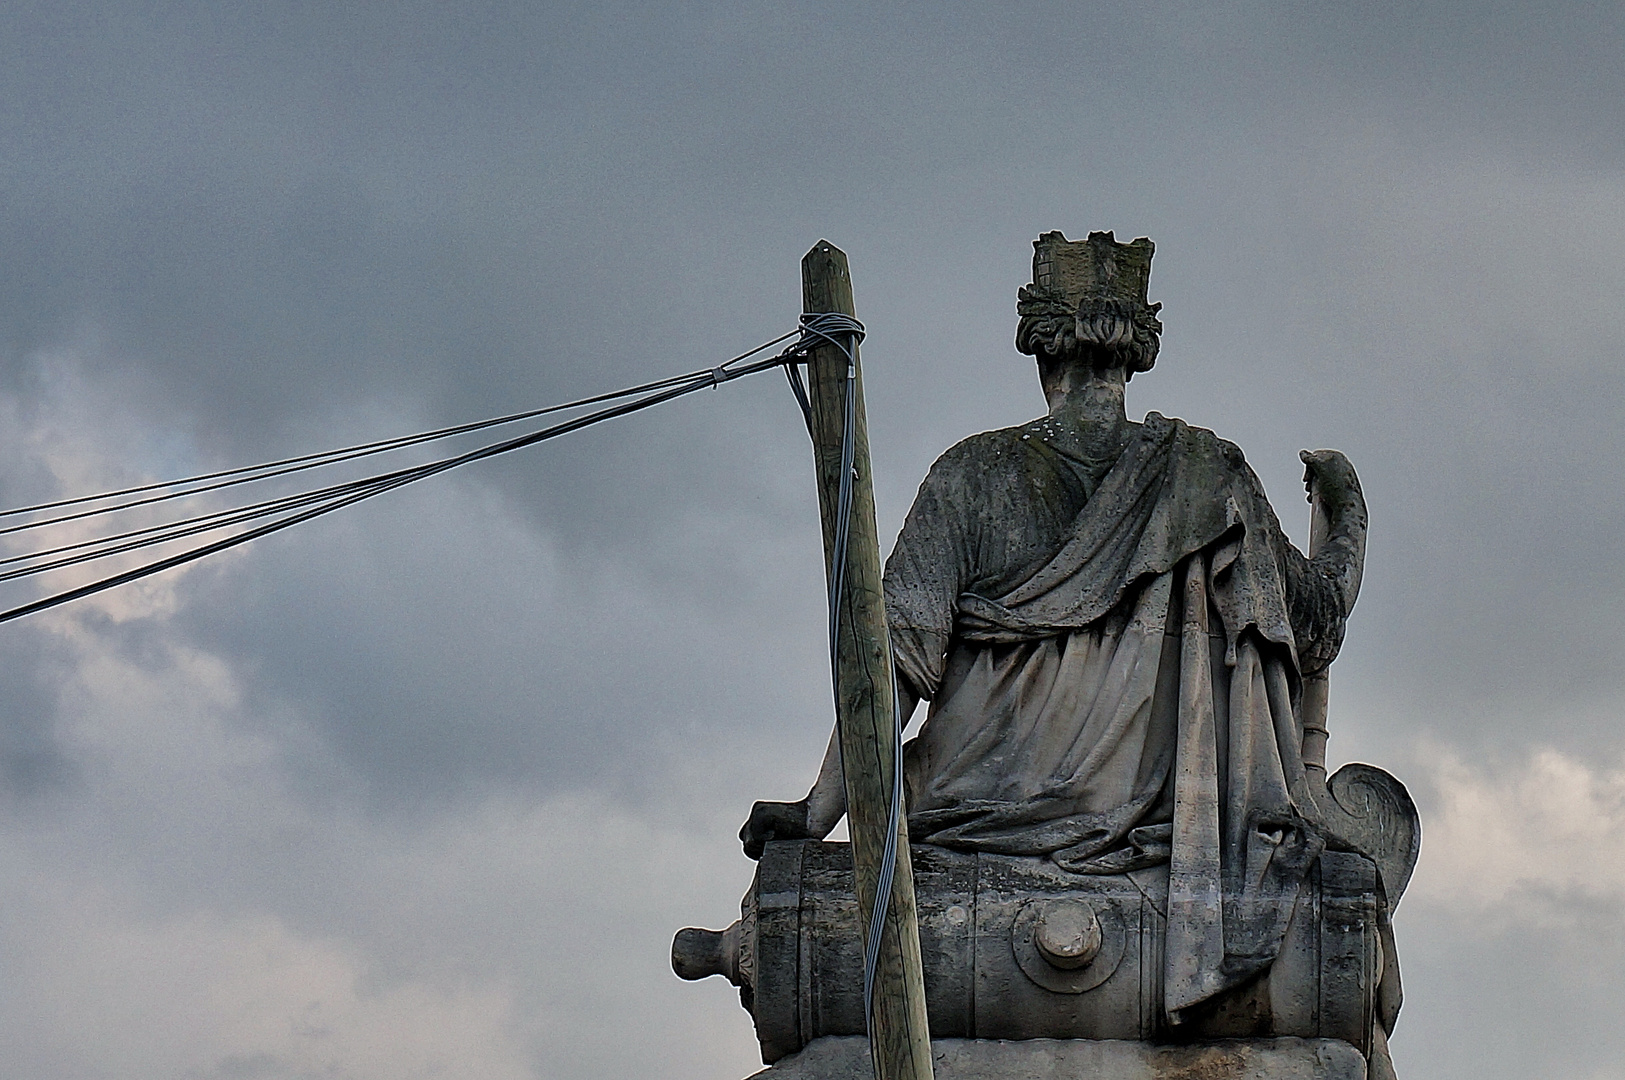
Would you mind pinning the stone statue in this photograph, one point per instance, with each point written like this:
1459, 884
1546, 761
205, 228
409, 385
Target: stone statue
1115, 638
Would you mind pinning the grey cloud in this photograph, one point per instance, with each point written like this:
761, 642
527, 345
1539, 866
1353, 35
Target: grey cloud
33, 763
231, 232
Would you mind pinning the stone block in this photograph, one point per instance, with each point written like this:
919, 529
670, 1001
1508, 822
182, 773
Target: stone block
847, 1058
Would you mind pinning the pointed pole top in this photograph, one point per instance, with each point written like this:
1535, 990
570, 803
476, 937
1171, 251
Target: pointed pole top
826, 280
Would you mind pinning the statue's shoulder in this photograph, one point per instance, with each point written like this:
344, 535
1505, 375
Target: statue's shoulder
987, 452
1194, 441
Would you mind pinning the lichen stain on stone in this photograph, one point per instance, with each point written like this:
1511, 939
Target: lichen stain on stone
1210, 1063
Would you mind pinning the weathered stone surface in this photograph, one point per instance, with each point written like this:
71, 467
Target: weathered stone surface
797, 953
1123, 762
847, 1058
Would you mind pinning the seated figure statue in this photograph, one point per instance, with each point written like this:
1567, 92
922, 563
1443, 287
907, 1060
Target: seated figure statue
1115, 637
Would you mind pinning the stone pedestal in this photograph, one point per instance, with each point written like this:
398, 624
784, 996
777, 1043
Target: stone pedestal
1018, 949
847, 1058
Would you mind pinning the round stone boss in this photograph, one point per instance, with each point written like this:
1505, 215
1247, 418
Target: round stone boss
1068, 929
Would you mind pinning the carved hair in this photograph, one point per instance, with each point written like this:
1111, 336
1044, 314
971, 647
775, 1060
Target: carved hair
1109, 331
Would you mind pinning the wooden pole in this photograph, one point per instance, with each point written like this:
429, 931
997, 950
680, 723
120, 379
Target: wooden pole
901, 1043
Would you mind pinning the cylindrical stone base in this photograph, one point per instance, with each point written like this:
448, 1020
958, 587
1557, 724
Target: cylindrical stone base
847, 1058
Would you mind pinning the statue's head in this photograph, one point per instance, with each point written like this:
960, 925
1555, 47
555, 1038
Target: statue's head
1087, 302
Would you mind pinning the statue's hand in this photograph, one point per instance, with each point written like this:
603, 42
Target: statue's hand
774, 821
1330, 475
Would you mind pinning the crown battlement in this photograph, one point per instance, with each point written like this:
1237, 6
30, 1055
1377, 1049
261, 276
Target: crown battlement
1071, 271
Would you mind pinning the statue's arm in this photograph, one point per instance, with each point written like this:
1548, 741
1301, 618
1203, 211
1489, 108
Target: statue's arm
826, 802
1322, 588
924, 577
815, 816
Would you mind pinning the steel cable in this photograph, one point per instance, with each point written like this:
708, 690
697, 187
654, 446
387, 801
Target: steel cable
325, 500
250, 473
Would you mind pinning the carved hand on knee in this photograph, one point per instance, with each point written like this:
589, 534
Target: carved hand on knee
774, 821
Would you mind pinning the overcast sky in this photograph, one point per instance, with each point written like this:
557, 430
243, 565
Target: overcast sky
424, 788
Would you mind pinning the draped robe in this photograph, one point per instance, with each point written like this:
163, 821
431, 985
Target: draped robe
1112, 653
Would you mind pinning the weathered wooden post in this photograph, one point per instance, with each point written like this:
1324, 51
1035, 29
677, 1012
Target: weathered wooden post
900, 1044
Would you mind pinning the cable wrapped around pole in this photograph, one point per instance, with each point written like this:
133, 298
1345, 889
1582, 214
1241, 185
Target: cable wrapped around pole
867, 716
827, 325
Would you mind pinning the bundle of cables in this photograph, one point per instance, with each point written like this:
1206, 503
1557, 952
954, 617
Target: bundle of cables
238, 524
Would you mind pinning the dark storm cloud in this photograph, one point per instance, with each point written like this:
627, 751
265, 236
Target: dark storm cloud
231, 232
32, 762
